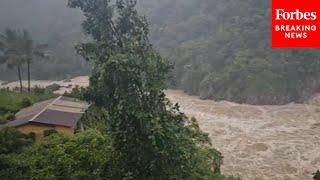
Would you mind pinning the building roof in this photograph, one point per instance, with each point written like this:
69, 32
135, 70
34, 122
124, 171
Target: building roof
61, 111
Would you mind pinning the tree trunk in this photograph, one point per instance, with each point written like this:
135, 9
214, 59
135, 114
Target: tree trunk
20, 79
29, 88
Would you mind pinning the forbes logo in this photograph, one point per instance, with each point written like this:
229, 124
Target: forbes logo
295, 24
281, 14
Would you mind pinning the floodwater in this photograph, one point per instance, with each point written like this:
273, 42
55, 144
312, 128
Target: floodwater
260, 142
257, 142
66, 85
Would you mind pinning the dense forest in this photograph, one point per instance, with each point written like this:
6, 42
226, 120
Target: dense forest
220, 49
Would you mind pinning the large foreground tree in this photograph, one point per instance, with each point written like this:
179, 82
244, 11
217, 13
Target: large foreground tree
152, 139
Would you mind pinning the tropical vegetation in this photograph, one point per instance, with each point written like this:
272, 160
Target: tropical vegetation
316, 175
221, 50
17, 48
11, 101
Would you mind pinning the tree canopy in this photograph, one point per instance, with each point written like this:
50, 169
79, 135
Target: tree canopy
221, 50
151, 137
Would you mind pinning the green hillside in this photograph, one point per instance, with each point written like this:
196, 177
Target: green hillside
221, 49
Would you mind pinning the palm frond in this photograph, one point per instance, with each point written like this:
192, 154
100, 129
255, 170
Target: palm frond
17, 48
13, 61
11, 35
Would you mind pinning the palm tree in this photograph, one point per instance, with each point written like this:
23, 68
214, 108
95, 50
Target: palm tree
10, 49
18, 48
30, 51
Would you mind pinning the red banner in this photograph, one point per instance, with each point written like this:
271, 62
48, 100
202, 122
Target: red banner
295, 23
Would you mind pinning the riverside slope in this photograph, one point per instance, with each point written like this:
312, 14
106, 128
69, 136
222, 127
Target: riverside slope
258, 142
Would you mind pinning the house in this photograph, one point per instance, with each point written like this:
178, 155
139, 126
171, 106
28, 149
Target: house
61, 114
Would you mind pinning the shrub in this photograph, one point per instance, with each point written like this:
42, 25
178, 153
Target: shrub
53, 87
12, 141
39, 90
26, 102
32, 136
49, 132
9, 116
316, 175
86, 155
2, 120
77, 92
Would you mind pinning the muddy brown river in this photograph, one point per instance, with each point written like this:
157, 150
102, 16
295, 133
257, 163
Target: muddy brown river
257, 142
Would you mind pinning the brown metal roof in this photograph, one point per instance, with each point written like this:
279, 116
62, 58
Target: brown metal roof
58, 118
16, 123
61, 111
29, 112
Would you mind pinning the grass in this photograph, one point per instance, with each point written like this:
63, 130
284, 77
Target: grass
11, 101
